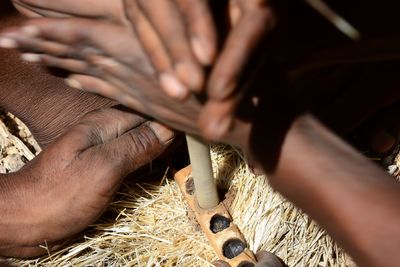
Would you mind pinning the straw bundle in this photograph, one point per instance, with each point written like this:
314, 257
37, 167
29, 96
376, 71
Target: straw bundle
150, 225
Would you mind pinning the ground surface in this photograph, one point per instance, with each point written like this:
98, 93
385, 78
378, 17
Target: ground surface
148, 224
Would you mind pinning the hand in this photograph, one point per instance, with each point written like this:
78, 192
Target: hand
180, 61
111, 10
179, 37
251, 21
264, 259
114, 66
111, 53
129, 53
68, 186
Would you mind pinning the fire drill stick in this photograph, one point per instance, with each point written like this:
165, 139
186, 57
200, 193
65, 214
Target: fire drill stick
202, 172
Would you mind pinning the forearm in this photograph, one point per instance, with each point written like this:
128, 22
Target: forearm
15, 210
24, 220
39, 99
355, 201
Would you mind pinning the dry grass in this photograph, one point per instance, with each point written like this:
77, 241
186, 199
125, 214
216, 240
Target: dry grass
148, 224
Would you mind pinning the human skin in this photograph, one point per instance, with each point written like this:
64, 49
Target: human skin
306, 133
309, 91
220, 35
352, 198
32, 99
180, 62
110, 69
89, 148
341, 174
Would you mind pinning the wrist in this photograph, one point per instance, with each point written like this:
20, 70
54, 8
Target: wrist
49, 106
16, 206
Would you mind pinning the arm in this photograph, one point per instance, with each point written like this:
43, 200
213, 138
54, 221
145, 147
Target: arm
354, 200
43, 102
31, 208
68, 186
39, 99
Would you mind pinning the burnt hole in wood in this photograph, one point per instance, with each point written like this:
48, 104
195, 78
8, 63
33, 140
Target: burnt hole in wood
233, 248
189, 186
218, 223
246, 264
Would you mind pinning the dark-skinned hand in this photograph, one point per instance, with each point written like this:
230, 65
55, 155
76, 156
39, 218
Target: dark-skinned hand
68, 186
180, 61
106, 64
112, 11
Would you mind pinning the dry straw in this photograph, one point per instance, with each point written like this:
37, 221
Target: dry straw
149, 225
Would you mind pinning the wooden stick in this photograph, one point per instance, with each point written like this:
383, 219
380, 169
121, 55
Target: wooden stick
203, 176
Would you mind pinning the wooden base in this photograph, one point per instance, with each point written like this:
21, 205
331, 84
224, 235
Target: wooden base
223, 235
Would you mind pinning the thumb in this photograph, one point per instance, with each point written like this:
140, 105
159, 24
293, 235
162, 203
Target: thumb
137, 147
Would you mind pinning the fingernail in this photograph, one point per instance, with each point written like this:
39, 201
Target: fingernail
190, 74
73, 84
8, 43
164, 134
30, 30
202, 51
172, 86
30, 57
235, 14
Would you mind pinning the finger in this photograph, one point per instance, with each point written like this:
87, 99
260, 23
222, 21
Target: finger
85, 8
35, 45
167, 21
103, 88
72, 65
99, 127
69, 40
250, 29
26, 11
155, 50
140, 145
149, 38
235, 12
202, 30
93, 85
216, 119
267, 259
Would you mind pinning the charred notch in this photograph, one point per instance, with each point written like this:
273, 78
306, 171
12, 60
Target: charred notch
218, 223
233, 248
189, 186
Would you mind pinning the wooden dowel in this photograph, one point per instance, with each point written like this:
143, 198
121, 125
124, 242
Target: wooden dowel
202, 172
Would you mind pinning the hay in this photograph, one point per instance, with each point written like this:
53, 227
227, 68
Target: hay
17, 145
148, 225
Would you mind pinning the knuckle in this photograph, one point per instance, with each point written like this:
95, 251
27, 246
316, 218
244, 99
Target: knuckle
90, 130
143, 146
